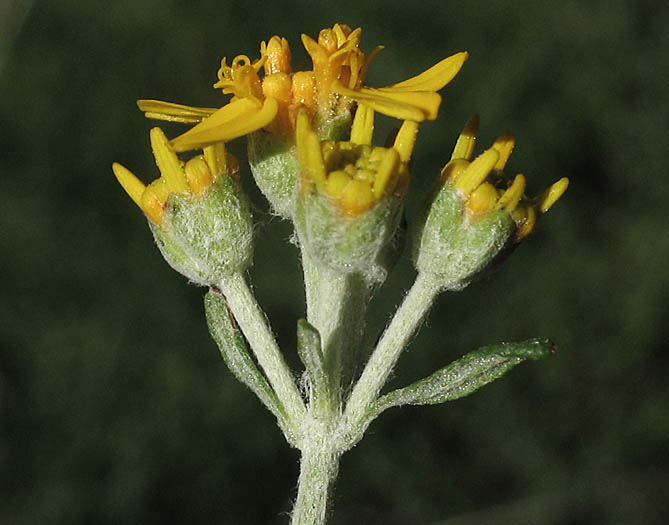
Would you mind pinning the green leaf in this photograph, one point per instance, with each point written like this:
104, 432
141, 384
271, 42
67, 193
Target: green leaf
234, 350
466, 375
310, 352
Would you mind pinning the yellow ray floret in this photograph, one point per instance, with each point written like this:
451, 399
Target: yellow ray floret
130, 183
238, 118
464, 147
477, 172
331, 88
171, 112
504, 146
194, 177
436, 77
552, 194
406, 139
480, 181
511, 197
362, 128
168, 162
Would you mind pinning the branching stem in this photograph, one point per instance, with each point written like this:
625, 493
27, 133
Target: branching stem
256, 329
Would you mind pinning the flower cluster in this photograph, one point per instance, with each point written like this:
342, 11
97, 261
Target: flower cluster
312, 153
317, 165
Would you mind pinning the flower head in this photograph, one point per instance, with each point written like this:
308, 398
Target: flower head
484, 187
328, 91
474, 214
350, 195
197, 211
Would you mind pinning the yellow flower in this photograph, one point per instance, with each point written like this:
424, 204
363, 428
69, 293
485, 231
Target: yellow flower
484, 187
328, 91
354, 175
194, 177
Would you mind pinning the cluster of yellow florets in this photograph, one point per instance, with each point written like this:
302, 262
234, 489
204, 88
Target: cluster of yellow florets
484, 186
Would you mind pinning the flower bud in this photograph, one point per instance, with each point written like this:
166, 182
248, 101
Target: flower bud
197, 211
349, 204
474, 213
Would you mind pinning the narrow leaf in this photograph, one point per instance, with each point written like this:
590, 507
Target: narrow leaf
234, 350
466, 375
310, 352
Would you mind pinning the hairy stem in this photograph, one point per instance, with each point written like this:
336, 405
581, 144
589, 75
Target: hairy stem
255, 327
406, 320
319, 467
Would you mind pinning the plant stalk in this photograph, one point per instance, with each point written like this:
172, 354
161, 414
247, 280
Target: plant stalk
405, 322
256, 329
319, 467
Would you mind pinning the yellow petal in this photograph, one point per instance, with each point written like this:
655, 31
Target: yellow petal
436, 77
427, 101
362, 129
131, 184
168, 162
387, 168
387, 105
504, 145
216, 158
239, 117
464, 147
406, 139
309, 150
511, 197
477, 171
552, 194
171, 112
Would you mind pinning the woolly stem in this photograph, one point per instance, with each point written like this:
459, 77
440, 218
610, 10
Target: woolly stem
406, 320
255, 327
319, 466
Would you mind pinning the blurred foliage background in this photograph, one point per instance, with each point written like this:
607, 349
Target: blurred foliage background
115, 406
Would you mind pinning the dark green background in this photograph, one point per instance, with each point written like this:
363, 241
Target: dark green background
115, 405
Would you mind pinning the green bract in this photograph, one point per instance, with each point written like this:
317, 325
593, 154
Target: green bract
363, 244
453, 247
207, 238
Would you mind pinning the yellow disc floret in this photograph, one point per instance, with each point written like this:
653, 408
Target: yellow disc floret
482, 183
354, 175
